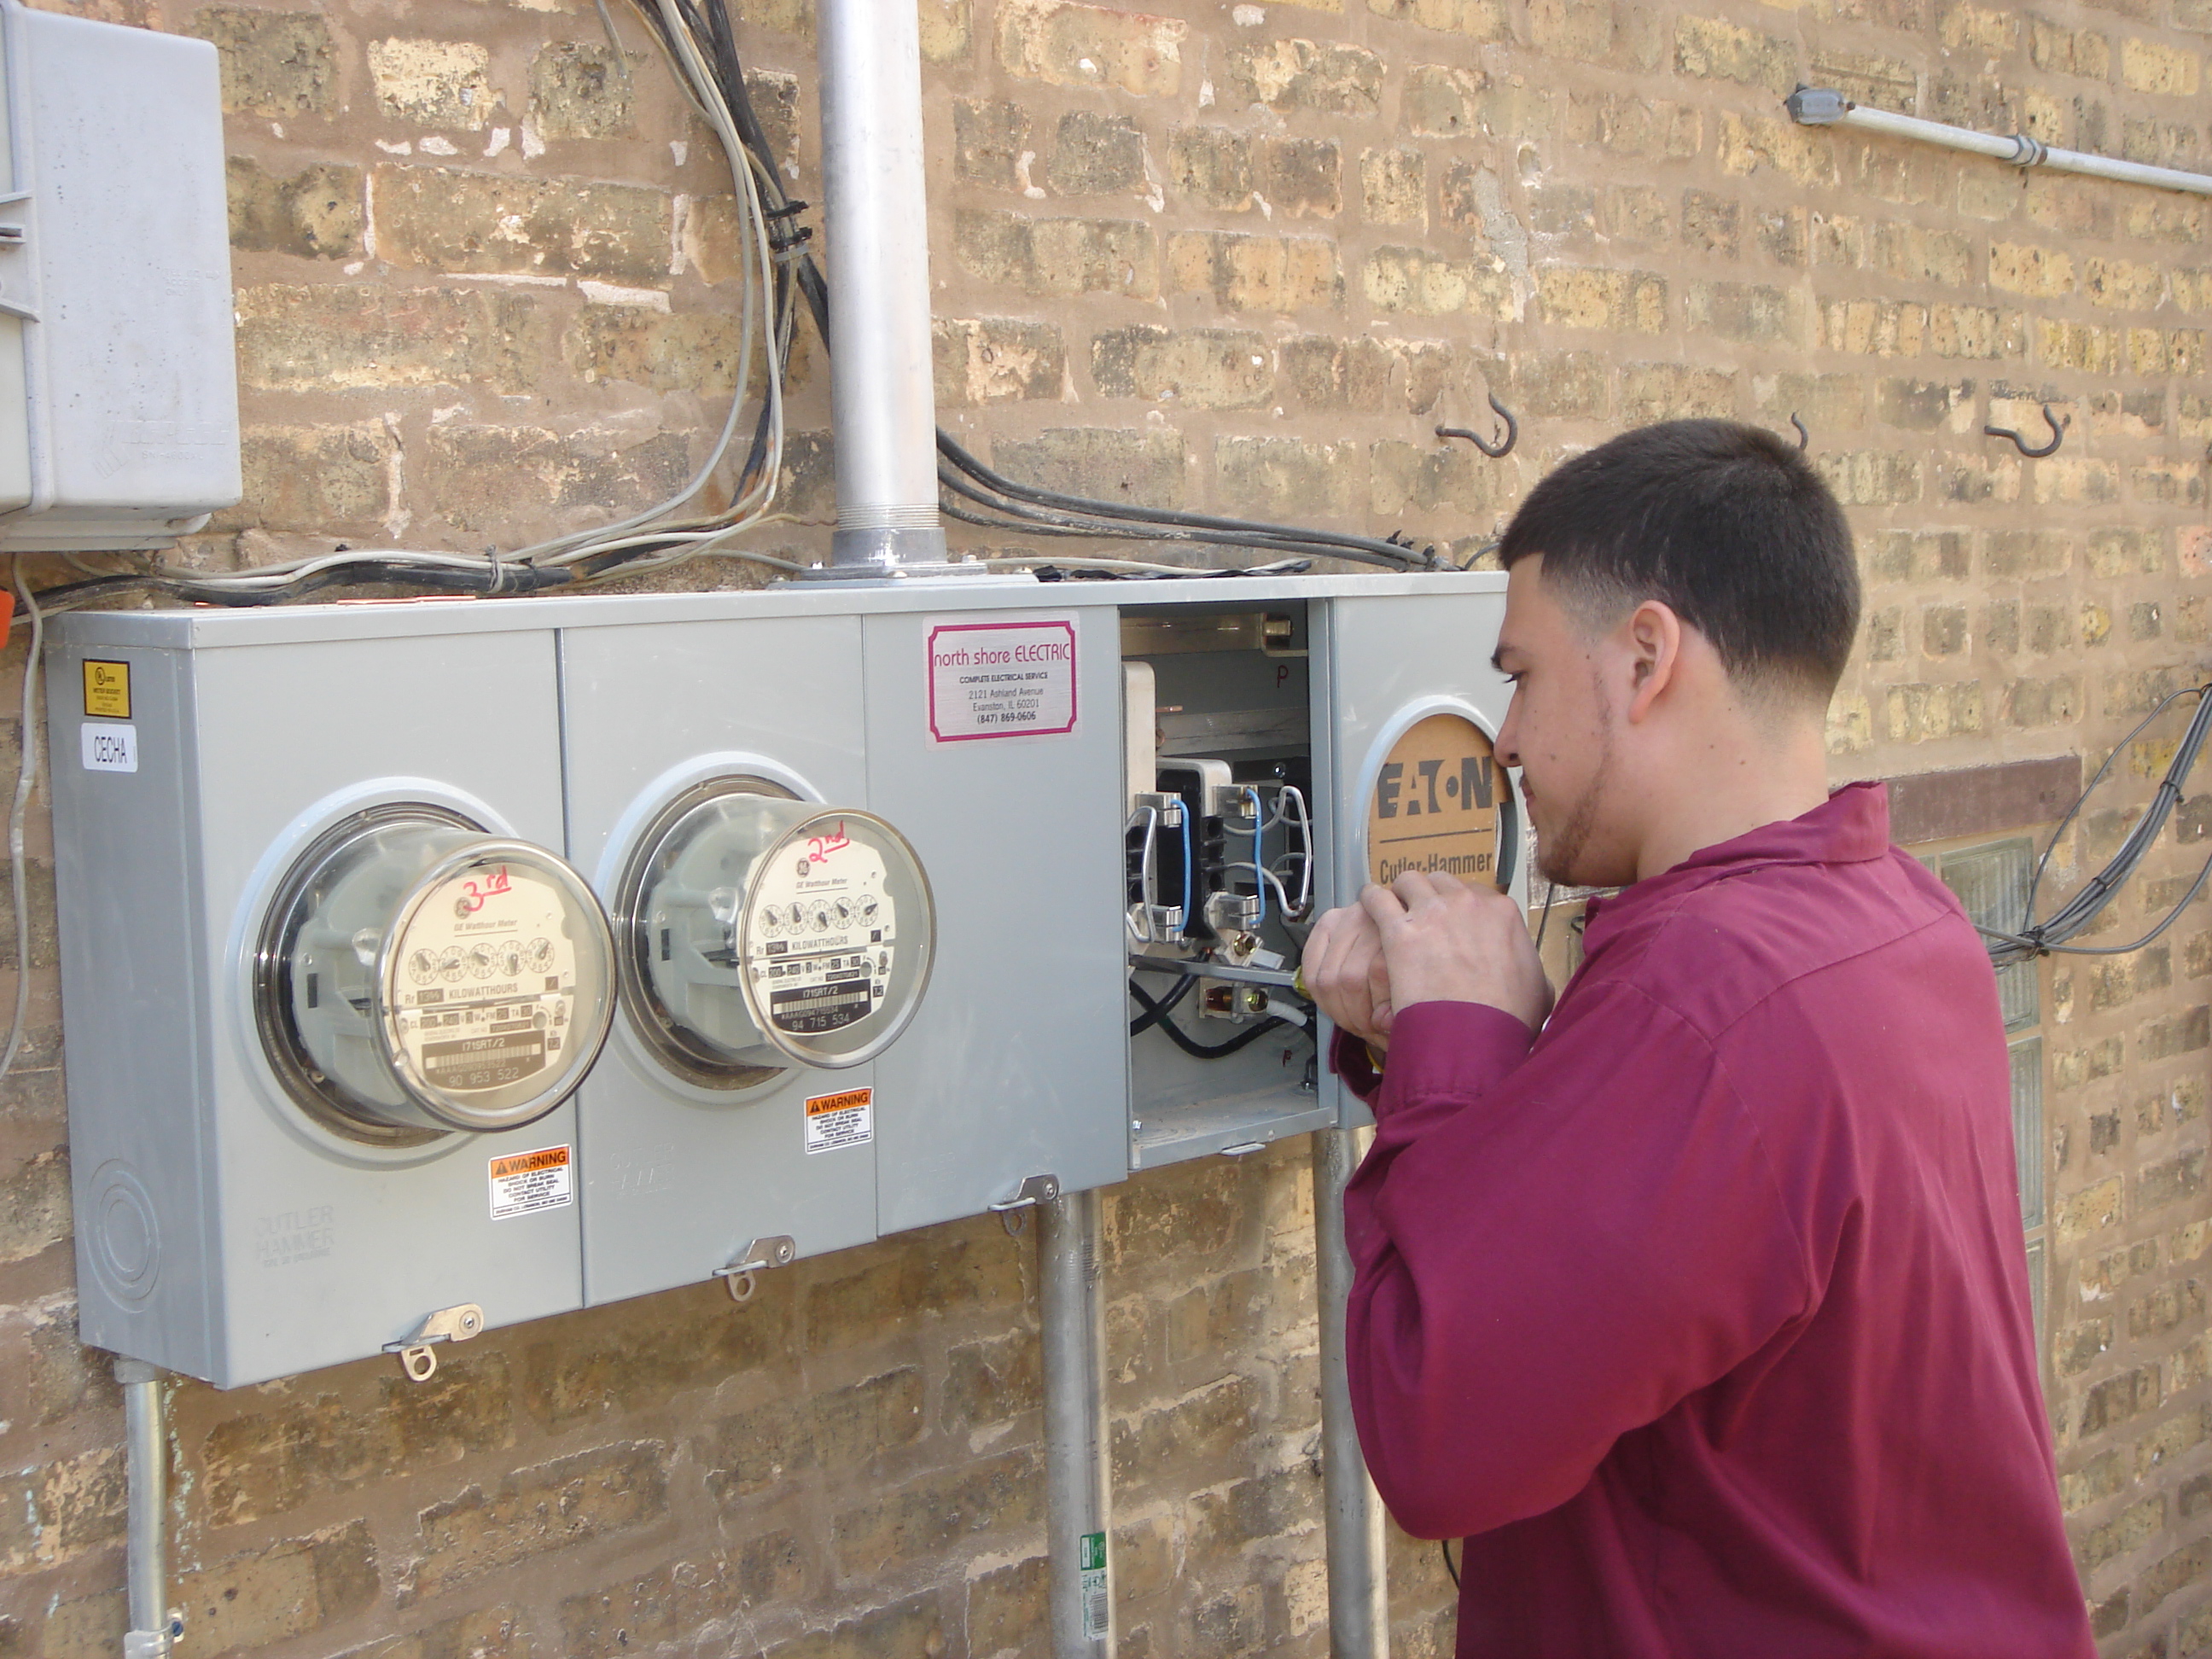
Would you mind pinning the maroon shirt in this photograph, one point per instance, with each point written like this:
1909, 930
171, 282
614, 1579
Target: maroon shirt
1704, 1318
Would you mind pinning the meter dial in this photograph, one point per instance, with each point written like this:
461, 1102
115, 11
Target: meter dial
416, 976
746, 918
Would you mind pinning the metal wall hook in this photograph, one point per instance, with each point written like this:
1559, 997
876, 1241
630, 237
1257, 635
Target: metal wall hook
1497, 449
1804, 438
2058, 434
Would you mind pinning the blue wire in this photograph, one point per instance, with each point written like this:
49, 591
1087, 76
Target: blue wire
1186, 867
1258, 880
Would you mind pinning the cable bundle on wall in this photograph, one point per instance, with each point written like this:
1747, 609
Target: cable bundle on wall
2032, 937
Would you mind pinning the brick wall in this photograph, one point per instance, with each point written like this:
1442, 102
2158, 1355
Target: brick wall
1244, 258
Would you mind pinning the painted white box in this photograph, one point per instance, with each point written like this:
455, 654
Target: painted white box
118, 395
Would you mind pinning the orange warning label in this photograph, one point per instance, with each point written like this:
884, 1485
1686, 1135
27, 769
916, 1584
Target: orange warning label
549, 1157
846, 1118
524, 1183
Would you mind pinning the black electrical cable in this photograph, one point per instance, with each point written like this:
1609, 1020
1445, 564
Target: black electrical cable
2033, 938
1191, 1045
1023, 509
1160, 1009
1444, 1544
1155, 522
1365, 549
370, 570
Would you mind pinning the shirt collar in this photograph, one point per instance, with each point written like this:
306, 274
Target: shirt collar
1850, 827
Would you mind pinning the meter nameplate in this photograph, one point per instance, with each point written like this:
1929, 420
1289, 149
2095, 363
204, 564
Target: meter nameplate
844, 1119
1435, 804
106, 690
487, 980
821, 942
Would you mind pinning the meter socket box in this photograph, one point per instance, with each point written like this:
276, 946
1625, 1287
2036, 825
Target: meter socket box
470, 959
1286, 745
328, 986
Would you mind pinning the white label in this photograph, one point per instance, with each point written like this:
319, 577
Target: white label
523, 1183
1093, 1587
487, 980
844, 1119
1001, 679
819, 943
110, 748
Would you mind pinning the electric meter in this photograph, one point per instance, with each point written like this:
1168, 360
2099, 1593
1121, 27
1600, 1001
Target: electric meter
417, 977
758, 931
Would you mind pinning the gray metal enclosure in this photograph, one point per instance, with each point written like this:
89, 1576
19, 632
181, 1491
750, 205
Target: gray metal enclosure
226, 1234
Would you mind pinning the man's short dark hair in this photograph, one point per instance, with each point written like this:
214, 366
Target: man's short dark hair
1725, 524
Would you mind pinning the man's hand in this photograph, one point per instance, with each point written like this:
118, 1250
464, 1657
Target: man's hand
1445, 941
1344, 974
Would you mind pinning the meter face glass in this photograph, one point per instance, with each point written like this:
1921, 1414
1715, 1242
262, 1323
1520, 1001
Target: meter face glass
836, 938
823, 936
759, 931
490, 991
417, 976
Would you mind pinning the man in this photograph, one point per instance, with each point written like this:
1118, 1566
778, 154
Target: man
1699, 1308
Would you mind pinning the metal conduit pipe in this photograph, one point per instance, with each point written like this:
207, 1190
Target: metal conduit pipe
875, 212
1078, 1496
146, 1474
1358, 1588
1824, 106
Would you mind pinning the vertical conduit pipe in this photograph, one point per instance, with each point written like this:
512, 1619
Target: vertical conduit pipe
1358, 1592
876, 214
1073, 1311
146, 1474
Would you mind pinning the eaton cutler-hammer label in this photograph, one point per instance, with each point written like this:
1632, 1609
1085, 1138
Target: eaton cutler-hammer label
1435, 804
1001, 679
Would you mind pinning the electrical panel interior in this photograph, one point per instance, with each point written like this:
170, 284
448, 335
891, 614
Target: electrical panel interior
436, 966
1277, 756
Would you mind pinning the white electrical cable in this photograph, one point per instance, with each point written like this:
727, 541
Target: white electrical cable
26, 780
703, 535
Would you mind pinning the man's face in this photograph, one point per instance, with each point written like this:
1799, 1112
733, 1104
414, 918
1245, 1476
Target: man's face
1559, 731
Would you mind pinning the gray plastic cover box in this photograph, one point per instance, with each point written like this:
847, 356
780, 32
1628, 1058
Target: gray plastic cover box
118, 399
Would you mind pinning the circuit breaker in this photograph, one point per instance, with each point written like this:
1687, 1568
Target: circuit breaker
328, 983
118, 401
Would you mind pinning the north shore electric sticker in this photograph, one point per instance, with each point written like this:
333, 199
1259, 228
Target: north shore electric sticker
1001, 679
844, 1119
523, 1183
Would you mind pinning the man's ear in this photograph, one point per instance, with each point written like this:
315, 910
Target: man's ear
1653, 634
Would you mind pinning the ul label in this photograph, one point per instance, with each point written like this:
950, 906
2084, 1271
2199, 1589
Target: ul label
1435, 804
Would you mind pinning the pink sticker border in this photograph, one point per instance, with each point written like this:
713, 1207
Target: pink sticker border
929, 666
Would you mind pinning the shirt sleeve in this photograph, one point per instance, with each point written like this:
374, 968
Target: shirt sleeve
1551, 1246
1350, 1059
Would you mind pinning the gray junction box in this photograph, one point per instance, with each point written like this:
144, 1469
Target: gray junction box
868, 879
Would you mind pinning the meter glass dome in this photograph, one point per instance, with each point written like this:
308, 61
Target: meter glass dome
416, 976
760, 932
